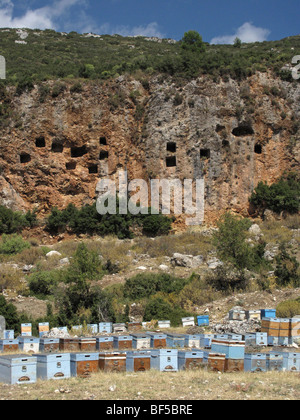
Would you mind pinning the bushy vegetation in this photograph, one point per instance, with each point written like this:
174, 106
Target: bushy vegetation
287, 268
231, 244
88, 220
288, 308
51, 55
283, 195
12, 222
145, 285
12, 244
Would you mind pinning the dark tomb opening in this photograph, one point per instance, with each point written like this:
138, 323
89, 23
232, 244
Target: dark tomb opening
205, 153
77, 152
171, 161
40, 142
103, 141
171, 147
25, 158
258, 149
103, 155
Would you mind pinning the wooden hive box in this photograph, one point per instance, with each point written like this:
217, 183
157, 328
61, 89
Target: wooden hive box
138, 361
215, 362
190, 360
84, 364
112, 362
9, 345
49, 345
104, 343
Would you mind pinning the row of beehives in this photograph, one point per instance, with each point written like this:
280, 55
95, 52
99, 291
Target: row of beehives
136, 341
107, 327
18, 369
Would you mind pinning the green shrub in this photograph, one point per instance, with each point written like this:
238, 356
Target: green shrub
156, 224
145, 285
12, 244
42, 283
287, 268
283, 195
230, 241
288, 309
11, 222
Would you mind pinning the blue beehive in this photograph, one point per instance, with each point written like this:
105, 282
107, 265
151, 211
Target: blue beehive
273, 341
202, 320
291, 362
285, 341
53, 366
221, 336
275, 361
231, 348
237, 337
18, 369
164, 360
29, 344
138, 361
175, 340
192, 341
268, 313
190, 359
205, 340
9, 334
49, 345
122, 342
104, 343
9, 345
256, 339
157, 340
255, 362
105, 327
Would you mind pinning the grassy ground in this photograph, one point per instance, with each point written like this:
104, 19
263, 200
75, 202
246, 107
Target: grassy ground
154, 385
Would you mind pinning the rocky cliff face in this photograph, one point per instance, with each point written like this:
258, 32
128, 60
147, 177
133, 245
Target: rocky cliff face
234, 134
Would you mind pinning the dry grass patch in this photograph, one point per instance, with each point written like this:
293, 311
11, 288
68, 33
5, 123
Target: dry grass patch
154, 385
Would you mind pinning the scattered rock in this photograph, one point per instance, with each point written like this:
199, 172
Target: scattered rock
53, 254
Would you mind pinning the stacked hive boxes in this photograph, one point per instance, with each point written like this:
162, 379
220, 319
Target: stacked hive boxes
234, 353
281, 331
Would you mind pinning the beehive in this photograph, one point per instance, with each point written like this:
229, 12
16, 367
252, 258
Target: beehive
134, 326
18, 369
43, 328
104, 343
285, 327
234, 365
7, 345
29, 344
237, 315
291, 362
190, 360
188, 322
268, 313
53, 366
175, 340
9, 334
123, 342
275, 361
105, 327
202, 320
231, 348
26, 330
164, 324
237, 337
49, 345
84, 364
68, 344
112, 362
119, 328
253, 314
192, 341
256, 339
141, 341
205, 340
256, 362
164, 360
87, 344
93, 328
295, 327
138, 361
215, 362
157, 340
